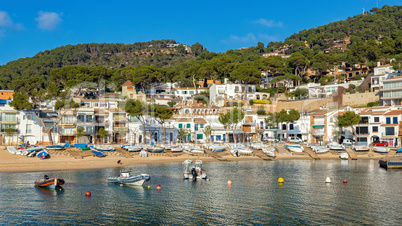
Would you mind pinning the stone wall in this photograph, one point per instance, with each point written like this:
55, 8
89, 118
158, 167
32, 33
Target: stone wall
360, 99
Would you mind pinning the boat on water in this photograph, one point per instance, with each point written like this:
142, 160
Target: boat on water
127, 179
343, 155
361, 148
49, 182
104, 147
382, 150
270, 152
335, 147
55, 147
42, 154
193, 171
320, 149
97, 153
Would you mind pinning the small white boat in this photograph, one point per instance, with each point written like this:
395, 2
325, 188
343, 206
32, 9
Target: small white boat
176, 149
319, 149
343, 155
335, 147
104, 147
361, 148
296, 149
258, 146
270, 152
196, 151
133, 148
380, 149
193, 171
126, 178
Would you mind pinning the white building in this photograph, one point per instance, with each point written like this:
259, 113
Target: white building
219, 93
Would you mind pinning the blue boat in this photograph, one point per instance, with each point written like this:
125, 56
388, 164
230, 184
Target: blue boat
97, 153
42, 154
399, 150
80, 145
126, 178
31, 149
55, 147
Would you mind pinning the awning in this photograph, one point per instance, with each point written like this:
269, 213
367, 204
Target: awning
388, 137
318, 135
314, 126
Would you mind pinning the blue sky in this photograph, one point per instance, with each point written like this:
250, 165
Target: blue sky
28, 27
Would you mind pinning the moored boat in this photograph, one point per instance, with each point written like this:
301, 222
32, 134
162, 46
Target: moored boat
391, 163
49, 182
127, 179
104, 147
193, 171
343, 155
382, 150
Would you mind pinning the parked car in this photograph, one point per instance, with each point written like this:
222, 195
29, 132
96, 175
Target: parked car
381, 143
294, 139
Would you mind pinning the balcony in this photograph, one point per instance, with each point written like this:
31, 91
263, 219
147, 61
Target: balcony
118, 129
120, 119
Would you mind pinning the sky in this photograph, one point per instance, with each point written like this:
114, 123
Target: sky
28, 27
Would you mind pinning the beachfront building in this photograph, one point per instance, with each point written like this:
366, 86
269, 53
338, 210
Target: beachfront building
29, 128
392, 90
9, 125
219, 94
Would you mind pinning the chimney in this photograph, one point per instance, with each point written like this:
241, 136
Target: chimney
378, 63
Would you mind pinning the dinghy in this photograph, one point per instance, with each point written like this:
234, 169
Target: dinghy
270, 152
104, 147
343, 155
49, 182
126, 179
193, 171
335, 147
361, 148
319, 149
42, 154
55, 147
382, 150
97, 153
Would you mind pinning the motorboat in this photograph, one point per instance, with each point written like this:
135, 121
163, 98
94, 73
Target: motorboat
296, 149
196, 150
270, 152
49, 182
335, 147
258, 146
382, 150
193, 171
42, 154
104, 147
55, 147
126, 179
293, 144
343, 155
215, 147
154, 149
97, 153
361, 148
319, 149
176, 149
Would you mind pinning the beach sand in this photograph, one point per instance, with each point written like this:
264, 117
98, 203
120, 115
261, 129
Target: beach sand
65, 160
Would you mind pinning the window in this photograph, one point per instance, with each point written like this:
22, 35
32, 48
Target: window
201, 126
196, 127
375, 129
188, 125
218, 137
389, 131
8, 117
67, 130
5, 126
90, 129
261, 125
180, 125
284, 127
362, 130
191, 92
291, 127
388, 120
395, 120
29, 128
362, 139
376, 119
67, 119
183, 92
199, 136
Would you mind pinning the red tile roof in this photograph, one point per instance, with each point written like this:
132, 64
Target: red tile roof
128, 83
394, 112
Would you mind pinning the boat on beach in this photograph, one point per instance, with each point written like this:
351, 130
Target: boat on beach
49, 182
193, 171
343, 155
126, 179
133, 148
97, 153
55, 147
361, 148
270, 152
335, 147
319, 149
382, 150
42, 154
296, 149
104, 147
154, 149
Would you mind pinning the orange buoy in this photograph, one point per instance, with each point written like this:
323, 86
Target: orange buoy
280, 180
158, 186
88, 193
229, 182
345, 181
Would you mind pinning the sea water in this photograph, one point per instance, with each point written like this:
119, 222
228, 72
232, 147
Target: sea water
371, 195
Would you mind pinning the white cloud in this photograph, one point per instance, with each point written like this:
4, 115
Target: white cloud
239, 39
264, 37
5, 20
268, 23
48, 20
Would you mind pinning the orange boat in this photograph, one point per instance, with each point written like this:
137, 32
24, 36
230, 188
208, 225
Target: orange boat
47, 182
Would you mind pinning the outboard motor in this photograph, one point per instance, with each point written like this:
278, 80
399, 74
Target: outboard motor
46, 177
194, 173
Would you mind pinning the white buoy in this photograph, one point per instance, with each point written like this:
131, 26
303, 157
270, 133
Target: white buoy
328, 180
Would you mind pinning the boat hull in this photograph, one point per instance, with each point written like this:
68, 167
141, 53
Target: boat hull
51, 182
137, 180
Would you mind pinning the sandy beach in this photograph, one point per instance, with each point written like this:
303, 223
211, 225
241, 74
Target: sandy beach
73, 159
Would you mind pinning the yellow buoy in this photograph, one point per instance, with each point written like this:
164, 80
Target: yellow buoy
280, 180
